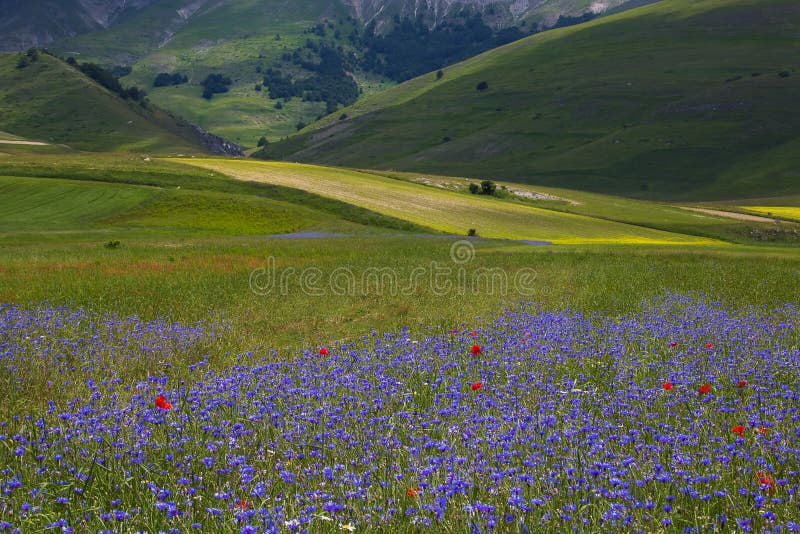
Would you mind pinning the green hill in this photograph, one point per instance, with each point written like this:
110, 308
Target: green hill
679, 99
48, 100
234, 38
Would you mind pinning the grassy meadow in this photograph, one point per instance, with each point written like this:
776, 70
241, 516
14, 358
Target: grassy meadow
190, 233
252, 347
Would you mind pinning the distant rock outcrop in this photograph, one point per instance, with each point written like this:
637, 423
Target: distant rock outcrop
216, 144
37, 23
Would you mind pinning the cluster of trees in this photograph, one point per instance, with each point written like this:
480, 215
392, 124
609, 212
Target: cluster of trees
165, 79
487, 187
109, 81
411, 48
566, 20
27, 58
214, 84
328, 81
120, 71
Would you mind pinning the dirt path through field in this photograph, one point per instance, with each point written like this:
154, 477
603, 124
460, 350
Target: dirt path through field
730, 215
12, 142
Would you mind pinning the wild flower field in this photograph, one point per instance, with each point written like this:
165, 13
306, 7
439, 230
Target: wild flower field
683, 417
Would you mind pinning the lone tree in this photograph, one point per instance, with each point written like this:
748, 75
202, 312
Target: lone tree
262, 141
482, 86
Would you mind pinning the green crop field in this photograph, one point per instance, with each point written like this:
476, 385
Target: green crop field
671, 217
782, 212
31, 204
679, 99
445, 211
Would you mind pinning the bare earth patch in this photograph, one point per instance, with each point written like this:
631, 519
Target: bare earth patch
12, 142
730, 215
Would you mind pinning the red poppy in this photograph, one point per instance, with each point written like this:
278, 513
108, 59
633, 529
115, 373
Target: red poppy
412, 492
163, 404
766, 481
473, 333
476, 386
705, 388
323, 351
761, 429
673, 343
527, 334
709, 346
476, 350
741, 383
242, 504
667, 386
738, 429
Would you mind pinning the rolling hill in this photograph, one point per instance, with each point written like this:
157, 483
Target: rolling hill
49, 101
678, 99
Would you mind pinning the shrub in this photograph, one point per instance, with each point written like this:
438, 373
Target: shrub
482, 86
215, 83
488, 187
472, 232
164, 79
474, 188
262, 142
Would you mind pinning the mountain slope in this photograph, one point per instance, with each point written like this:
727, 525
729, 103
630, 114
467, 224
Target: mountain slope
677, 99
36, 23
50, 101
242, 39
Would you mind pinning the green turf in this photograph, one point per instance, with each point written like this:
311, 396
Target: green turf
50, 101
678, 99
212, 213
191, 279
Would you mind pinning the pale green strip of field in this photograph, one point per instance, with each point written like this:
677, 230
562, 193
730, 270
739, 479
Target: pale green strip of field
35, 204
782, 212
443, 210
